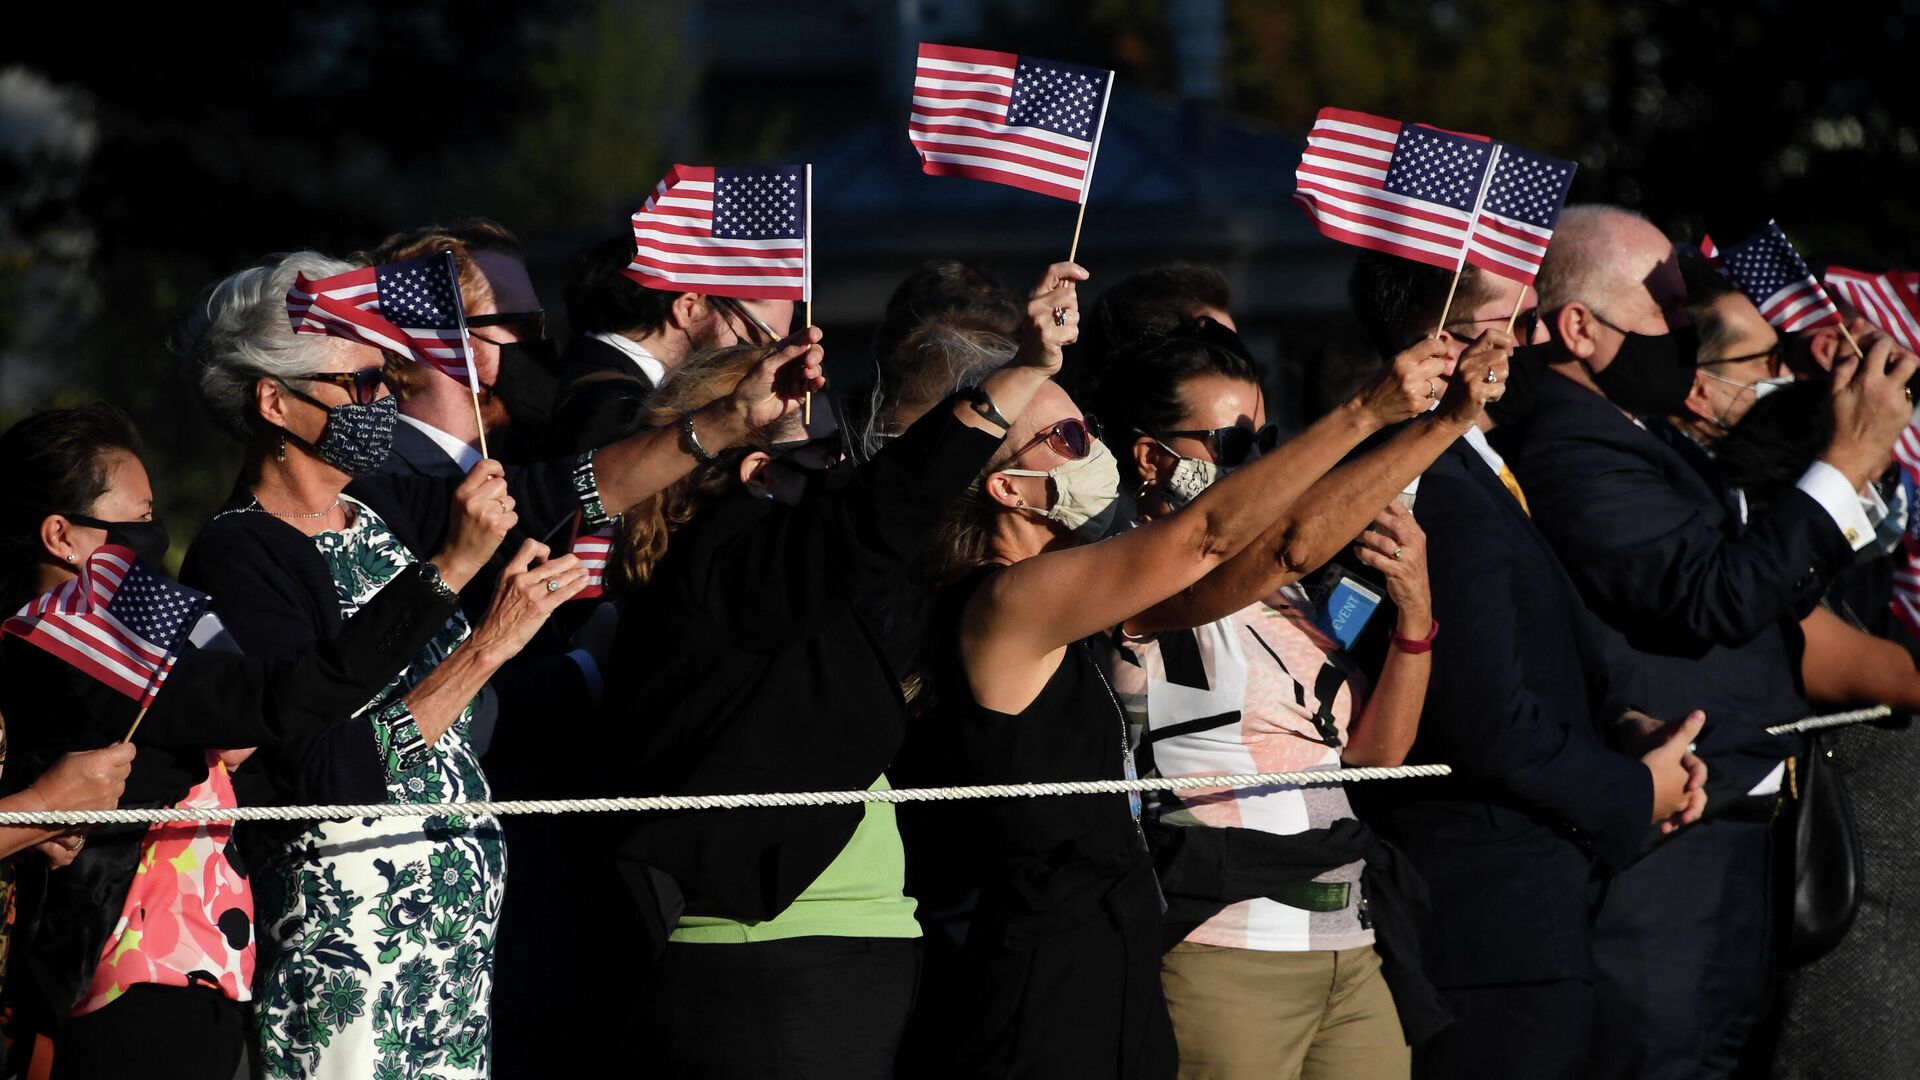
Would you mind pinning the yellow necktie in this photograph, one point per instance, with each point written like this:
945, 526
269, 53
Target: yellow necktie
1513, 484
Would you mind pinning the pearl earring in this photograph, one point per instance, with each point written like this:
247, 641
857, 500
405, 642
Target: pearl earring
69, 557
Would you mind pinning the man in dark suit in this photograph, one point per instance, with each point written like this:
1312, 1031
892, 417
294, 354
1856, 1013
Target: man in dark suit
628, 337
1702, 602
1518, 700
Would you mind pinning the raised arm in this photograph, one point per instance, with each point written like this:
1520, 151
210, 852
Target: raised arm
1841, 664
1314, 514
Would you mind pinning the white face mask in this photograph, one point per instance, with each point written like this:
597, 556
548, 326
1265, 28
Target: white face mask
1084, 491
1760, 390
1189, 478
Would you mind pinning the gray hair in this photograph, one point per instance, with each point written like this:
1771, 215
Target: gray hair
938, 358
1577, 266
243, 333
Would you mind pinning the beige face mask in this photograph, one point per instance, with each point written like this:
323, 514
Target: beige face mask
1084, 493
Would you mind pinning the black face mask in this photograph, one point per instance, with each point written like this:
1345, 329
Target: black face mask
1651, 376
529, 381
146, 539
1524, 372
356, 438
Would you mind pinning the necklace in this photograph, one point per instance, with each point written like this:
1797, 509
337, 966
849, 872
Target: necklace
322, 512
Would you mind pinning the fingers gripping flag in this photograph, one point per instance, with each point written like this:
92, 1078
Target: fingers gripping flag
1890, 301
1016, 120
744, 232
412, 308
119, 621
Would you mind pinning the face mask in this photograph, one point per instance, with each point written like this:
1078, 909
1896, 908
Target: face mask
1524, 371
527, 384
1084, 493
1760, 390
1651, 376
1189, 478
356, 438
146, 539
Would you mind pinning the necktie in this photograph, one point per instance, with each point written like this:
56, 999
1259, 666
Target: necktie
1513, 485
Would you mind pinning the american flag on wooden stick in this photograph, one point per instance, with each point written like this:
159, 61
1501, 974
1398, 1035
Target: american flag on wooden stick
1011, 119
119, 621
594, 549
1777, 280
1516, 219
1890, 301
411, 307
742, 232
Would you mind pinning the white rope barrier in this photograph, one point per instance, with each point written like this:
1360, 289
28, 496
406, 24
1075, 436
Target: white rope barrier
1818, 723
710, 802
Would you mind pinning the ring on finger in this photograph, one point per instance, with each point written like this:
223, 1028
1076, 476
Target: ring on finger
1059, 316
1396, 553
1491, 376
553, 585
1433, 392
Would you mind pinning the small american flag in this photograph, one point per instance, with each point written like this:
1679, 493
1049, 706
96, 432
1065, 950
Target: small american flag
728, 232
1516, 219
1405, 189
1011, 119
1710, 251
594, 549
1890, 301
119, 622
412, 308
1777, 280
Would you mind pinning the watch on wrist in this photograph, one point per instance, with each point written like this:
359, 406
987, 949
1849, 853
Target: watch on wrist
984, 406
431, 575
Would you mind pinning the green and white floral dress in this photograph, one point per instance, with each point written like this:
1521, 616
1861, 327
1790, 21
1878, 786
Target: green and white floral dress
378, 934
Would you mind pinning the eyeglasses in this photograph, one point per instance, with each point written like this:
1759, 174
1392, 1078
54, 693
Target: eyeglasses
1524, 325
1232, 445
362, 387
1772, 356
747, 318
527, 325
1071, 438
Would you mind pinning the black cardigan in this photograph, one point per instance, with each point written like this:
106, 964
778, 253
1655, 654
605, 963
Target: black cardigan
297, 713
752, 663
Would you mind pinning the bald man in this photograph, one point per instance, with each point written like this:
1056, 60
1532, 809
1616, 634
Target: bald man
1702, 601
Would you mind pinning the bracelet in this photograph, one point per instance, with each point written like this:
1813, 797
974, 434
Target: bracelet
431, 575
983, 405
692, 442
1416, 645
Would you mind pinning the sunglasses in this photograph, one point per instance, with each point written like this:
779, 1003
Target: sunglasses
739, 311
1771, 356
1072, 438
362, 387
1523, 326
1231, 445
529, 325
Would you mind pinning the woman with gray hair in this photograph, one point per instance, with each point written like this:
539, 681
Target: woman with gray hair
377, 935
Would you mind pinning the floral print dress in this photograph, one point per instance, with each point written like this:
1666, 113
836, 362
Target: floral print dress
378, 934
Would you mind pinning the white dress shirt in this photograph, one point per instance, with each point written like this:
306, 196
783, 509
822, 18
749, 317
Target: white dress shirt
652, 368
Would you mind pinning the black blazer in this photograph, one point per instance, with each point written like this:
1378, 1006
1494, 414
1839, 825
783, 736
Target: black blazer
601, 399
300, 714
415, 454
1708, 608
757, 666
1516, 704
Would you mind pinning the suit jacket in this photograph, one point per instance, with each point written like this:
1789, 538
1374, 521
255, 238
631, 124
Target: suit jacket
1516, 704
602, 397
414, 454
1708, 608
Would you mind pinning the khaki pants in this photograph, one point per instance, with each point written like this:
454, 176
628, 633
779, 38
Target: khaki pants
1241, 1014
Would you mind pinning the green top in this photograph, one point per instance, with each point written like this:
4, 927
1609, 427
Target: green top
860, 894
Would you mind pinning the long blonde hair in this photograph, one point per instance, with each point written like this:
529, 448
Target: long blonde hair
640, 540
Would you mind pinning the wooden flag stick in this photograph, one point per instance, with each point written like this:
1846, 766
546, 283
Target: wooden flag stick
1515, 317
1848, 334
1448, 306
479, 421
1073, 251
137, 717
806, 409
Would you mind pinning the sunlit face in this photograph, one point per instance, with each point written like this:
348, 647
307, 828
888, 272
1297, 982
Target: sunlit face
306, 419
1463, 327
1749, 352
129, 497
1650, 304
1216, 401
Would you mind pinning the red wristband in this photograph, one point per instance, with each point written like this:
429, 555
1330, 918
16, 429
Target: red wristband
1416, 645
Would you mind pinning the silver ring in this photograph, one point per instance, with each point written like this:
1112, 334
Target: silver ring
1433, 392
1491, 377
1059, 316
553, 585
1396, 553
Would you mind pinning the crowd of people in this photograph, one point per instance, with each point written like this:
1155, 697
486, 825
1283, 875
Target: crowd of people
1609, 533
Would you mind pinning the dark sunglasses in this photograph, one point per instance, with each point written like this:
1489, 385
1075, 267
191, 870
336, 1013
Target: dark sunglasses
362, 387
763, 335
1523, 326
529, 325
1232, 445
1072, 438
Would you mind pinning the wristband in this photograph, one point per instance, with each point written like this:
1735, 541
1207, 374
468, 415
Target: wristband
692, 442
1416, 645
983, 405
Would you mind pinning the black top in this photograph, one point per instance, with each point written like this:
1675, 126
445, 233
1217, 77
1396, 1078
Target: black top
602, 396
1707, 606
298, 713
1516, 704
755, 666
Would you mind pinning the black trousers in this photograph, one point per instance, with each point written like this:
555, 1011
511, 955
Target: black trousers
1683, 955
1514, 1031
797, 1008
154, 1033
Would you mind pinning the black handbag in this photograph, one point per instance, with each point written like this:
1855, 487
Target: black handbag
1827, 864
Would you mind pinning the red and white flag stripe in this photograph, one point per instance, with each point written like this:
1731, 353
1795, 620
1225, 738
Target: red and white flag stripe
1890, 301
961, 98
675, 249
1340, 183
73, 623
